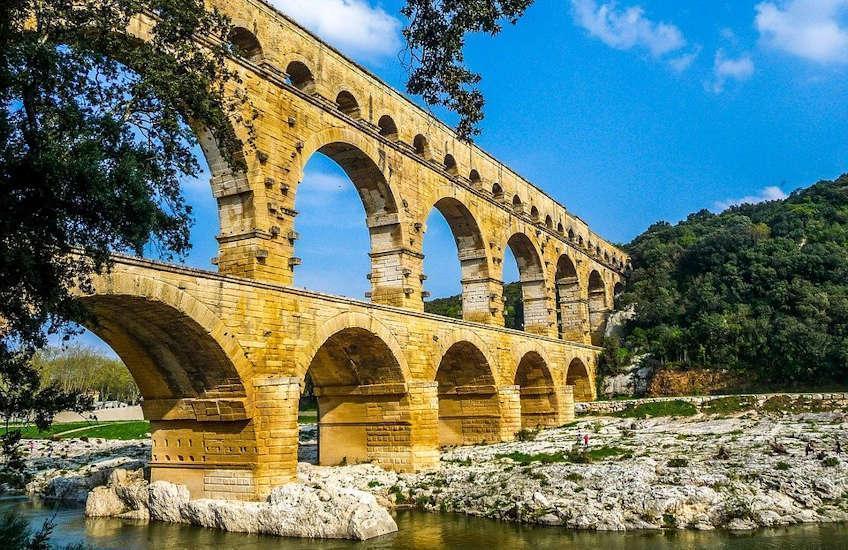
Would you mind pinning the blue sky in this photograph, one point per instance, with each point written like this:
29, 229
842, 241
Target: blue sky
627, 112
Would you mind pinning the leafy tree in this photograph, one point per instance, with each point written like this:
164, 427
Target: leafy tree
24, 399
84, 370
760, 289
436, 36
93, 146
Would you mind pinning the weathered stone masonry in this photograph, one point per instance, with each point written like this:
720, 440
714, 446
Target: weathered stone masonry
221, 358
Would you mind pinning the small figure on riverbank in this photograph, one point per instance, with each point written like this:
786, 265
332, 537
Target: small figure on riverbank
809, 449
586, 440
838, 447
722, 453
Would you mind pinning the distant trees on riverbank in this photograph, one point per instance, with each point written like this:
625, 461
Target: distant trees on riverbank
84, 370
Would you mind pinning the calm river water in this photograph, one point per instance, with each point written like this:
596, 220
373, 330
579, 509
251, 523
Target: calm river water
419, 530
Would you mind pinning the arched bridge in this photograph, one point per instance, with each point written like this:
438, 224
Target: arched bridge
221, 358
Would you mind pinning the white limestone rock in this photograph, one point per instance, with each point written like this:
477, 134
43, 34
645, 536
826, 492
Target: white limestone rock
166, 501
125, 496
315, 510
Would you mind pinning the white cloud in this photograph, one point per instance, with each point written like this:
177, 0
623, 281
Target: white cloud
770, 193
725, 69
322, 182
627, 28
354, 26
683, 62
815, 30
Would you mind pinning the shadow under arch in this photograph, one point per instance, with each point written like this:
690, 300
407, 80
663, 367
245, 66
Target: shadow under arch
360, 382
578, 376
532, 277
173, 345
570, 306
598, 308
469, 407
539, 401
356, 157
193, 375
473, 257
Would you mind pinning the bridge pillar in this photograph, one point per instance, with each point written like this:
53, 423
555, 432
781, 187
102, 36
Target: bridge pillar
565, 403
277, 431
509, 402
424, 419
537, 316
539, 407
396, 278
481, 301
255, 255
392, 425
573, 311
598, 313
469, 415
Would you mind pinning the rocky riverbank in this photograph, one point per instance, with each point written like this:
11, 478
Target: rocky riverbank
738, 470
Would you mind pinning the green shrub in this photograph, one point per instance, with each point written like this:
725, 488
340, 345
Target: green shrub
526, 434
728, 405
675, 407
677, 463
783, 466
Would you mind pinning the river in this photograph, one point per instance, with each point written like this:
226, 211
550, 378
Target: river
418, 530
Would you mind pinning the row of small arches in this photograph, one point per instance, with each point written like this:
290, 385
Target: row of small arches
301, 77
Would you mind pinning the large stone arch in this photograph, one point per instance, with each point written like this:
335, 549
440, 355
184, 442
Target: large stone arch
580, 377
571, 306
195, 378
362, 387
470, 409
367, 167
540, 402
533, 282
166, 329
473, 255
352, 320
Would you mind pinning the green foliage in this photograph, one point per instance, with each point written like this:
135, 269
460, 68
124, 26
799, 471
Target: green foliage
676, 407
94, 145
614, 358
138, 429
31, 431
830, 462
576, 456
760, 289
23, 398
435, 37
783, 466
677, 463
446, 307
525, 434
84, 370
728, 405
16, 534
513, 306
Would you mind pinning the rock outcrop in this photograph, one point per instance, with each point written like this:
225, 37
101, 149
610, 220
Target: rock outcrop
313, 510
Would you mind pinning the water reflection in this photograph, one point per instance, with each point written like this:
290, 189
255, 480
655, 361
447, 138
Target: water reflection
420, 531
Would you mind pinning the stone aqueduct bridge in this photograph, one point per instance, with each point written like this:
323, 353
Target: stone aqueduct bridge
221, 358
